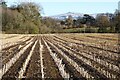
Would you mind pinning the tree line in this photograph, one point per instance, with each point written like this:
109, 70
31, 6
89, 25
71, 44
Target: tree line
102, 23
25, 18
22, 18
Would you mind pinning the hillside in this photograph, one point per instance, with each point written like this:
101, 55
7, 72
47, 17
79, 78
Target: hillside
78, 15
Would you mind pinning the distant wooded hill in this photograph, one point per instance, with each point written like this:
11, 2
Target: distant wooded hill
80, 15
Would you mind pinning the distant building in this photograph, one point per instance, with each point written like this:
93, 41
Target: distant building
3, 3
119, 5
117, 10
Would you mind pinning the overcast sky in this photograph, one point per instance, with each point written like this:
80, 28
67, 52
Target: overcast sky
54, 7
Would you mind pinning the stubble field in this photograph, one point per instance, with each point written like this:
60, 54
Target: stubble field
63, 56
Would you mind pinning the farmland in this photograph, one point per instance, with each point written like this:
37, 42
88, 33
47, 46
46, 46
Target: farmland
42, 56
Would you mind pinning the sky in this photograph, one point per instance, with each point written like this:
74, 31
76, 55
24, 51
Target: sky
54, 7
